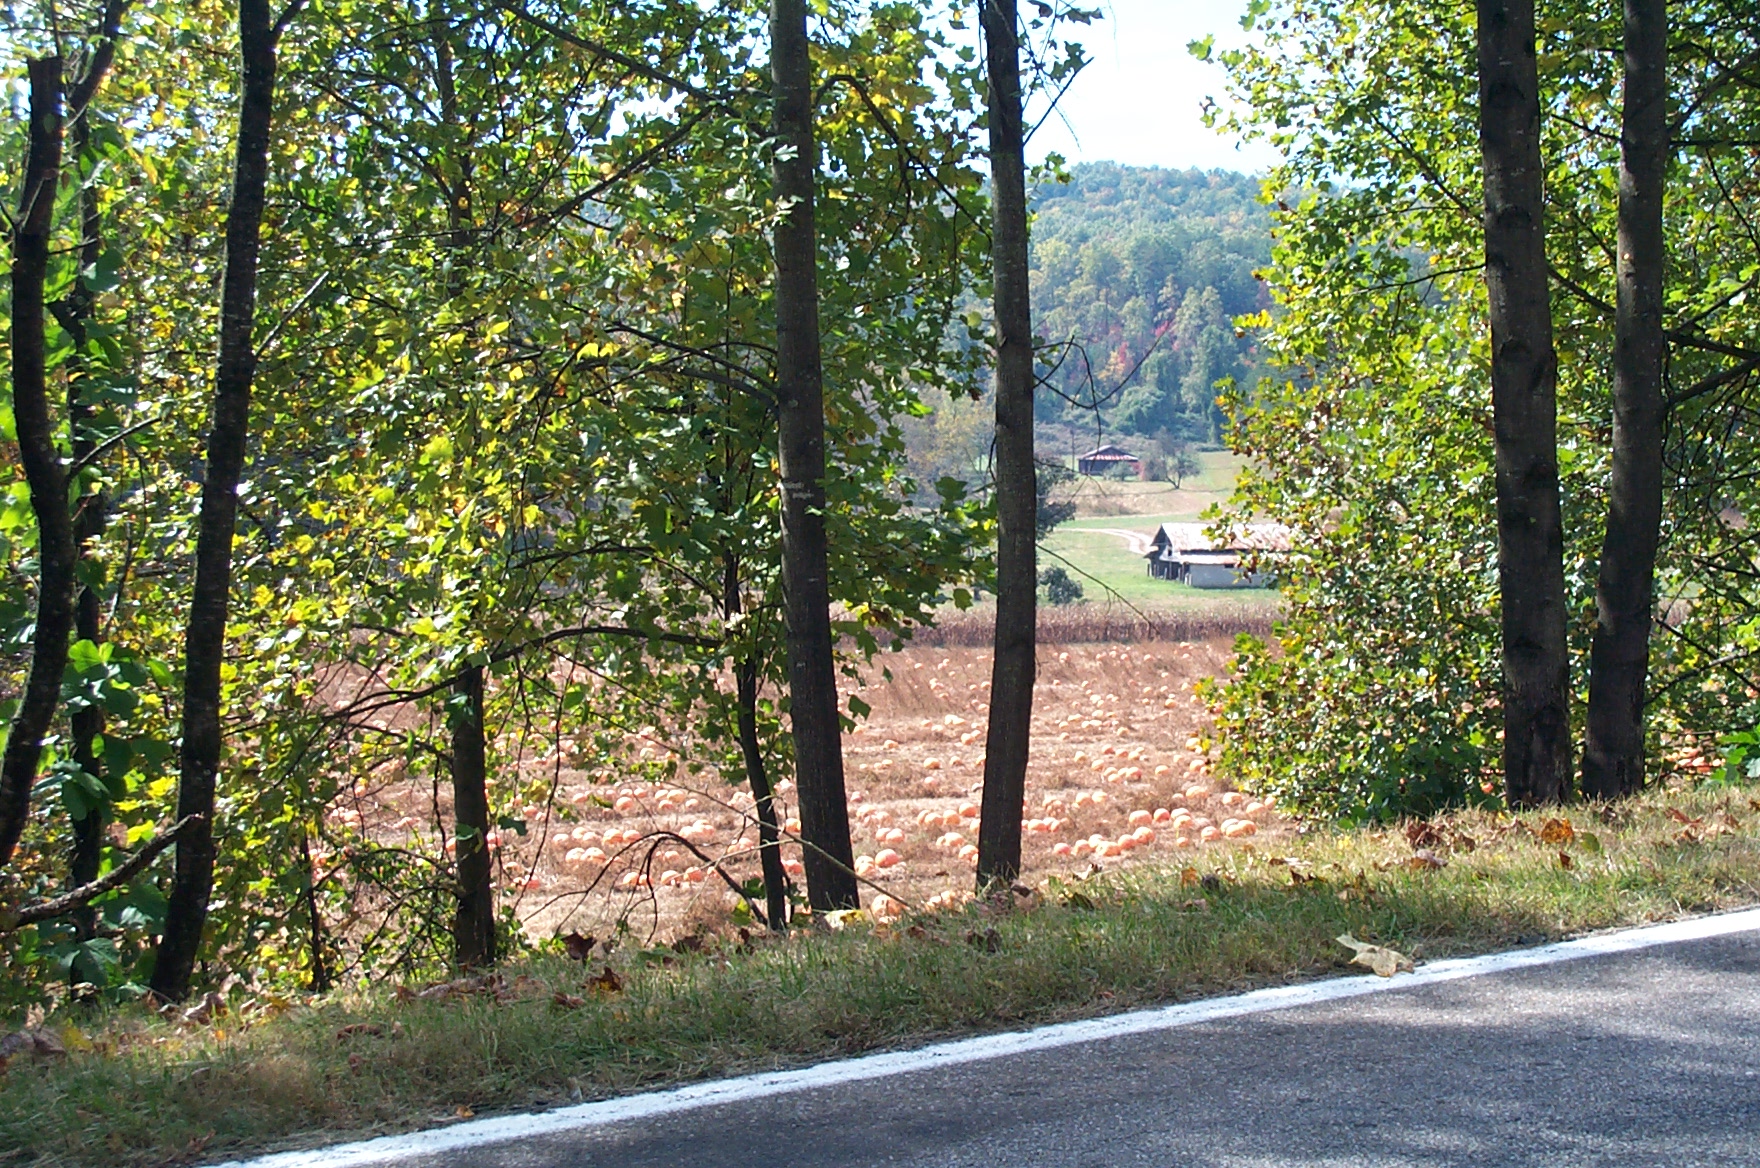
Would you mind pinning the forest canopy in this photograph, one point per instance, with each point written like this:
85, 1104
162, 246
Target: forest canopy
1139, 273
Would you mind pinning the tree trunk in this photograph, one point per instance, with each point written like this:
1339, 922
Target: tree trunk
473, 925
1014, 665
769, 839
1619, 660
1524, 370
800, 408
204, 644
89, 519
473, 933
57, 552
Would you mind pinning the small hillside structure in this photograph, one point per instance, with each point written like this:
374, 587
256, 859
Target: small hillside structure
1182, 552
1103, 458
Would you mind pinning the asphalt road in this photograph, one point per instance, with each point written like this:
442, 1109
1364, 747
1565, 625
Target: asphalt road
1648, 1058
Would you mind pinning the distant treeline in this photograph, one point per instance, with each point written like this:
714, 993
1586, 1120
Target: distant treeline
1144, 269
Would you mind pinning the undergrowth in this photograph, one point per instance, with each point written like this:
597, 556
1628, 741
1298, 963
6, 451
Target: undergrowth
264, 1073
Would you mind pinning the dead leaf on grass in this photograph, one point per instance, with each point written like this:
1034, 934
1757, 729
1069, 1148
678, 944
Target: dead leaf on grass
355, 1028
606, 983
1384, 961
579, 946
30, 1043
1557, 831
1423, 835
568, 1001
1565, 861
1425, 860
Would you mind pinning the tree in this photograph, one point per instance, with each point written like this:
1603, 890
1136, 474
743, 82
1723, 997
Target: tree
800, 414
1613, 746
205, 635
1374, 443
1015, 665
57, 553
59, 538
1524, 372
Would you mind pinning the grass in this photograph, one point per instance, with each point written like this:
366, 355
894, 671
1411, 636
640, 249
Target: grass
366, 1062
1102, 562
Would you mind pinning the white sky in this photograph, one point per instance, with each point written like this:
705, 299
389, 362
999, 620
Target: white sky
1138, 100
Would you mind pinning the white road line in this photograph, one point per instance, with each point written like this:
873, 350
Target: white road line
477, 1133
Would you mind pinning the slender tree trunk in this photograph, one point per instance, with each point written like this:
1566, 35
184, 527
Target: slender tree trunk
818, 736
769, 838
320, 968
1014, 665
57, 552
1619, 660
1524, 371
204, 644
473, 925
89, 520
473, 939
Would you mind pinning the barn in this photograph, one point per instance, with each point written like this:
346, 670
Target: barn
1183, 552
1103, 458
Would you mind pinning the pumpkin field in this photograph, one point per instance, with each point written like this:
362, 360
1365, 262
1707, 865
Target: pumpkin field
1118, 773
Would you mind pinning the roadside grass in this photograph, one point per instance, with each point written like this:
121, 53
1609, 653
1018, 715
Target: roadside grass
372, 1060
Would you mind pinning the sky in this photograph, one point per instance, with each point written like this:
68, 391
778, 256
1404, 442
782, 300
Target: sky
1138, 100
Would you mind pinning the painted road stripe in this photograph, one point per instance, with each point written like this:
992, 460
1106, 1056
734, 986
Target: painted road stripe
504, 1129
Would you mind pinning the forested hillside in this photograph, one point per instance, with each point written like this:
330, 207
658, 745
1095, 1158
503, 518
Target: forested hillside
1143, 265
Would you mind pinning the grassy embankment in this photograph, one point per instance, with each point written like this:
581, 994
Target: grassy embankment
375, 1060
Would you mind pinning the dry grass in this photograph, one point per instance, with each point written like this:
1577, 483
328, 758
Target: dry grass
276, 1074
1100, 624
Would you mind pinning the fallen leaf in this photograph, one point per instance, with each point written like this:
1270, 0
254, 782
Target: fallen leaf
1425, 860
1188, 876
579, 946
1589, 842
463, 1112
355, 1028
1423, 835
1565, 861
1385, 962
568, 1001
209, 1008
30, 1043
1557, 831
606, 983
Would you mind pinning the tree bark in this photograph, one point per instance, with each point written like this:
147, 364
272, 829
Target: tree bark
818, 735
1014, 665
89, 520
1524, 370
204, 644
57, 552
1619, 659
757, 774
473, 924
769, 838
473, 933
